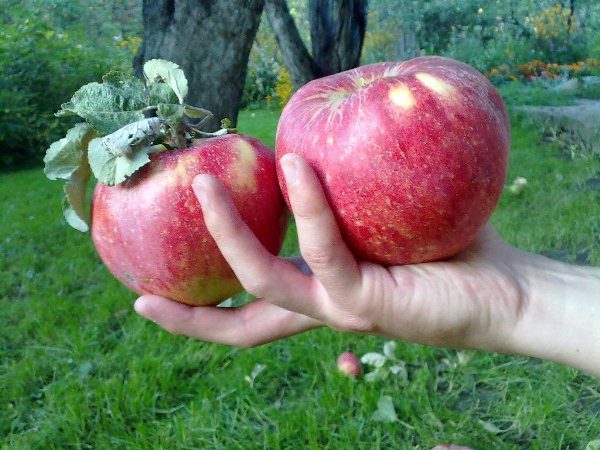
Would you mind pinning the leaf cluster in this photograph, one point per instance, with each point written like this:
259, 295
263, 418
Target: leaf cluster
125, 120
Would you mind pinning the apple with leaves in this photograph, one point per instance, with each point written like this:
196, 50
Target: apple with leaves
412, 156
145, 146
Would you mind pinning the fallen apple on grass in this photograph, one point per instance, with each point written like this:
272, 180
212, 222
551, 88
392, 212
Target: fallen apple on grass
349, 364
412, 156
142, 144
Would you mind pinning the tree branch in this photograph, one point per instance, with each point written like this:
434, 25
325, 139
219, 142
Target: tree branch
299, 63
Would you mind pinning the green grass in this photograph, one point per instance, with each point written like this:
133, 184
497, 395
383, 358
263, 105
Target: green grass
79, 369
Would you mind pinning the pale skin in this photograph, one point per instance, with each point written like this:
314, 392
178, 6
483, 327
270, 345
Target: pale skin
491, 296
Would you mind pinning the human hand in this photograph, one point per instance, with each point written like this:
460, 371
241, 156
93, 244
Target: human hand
481, 298
491, 296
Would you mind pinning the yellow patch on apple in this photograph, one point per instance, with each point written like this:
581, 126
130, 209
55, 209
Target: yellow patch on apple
242, 169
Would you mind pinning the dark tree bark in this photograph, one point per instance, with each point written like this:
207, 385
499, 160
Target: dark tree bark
337, 30
211, 42
300, 64
570, 19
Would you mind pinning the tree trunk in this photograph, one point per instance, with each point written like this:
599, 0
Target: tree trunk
211, 42
296, 58
337, 30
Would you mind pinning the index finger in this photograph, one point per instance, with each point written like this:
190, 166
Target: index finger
321, 243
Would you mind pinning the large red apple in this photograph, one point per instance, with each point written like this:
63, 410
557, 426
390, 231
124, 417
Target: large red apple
149, 230
412, 156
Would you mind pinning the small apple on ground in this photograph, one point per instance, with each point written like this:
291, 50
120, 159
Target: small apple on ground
412, 156
349, 364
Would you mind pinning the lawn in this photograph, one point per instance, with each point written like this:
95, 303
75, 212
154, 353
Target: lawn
79, 369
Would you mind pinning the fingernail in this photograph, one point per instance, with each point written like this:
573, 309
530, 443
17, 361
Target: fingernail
290, 168
200, 185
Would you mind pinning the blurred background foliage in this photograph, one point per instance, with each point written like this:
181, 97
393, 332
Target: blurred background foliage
46, 56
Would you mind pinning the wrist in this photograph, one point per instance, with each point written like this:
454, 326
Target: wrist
560, 319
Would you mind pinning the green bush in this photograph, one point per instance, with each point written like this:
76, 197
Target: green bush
42, 66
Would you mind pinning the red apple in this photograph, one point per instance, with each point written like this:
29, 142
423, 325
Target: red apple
149, 230
349, 364
412, 156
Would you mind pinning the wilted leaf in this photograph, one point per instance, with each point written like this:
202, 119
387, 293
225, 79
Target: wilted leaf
463, 358
133, 137
377, 374
385, 410
159, 70
373, 359
491, 428
389, 349
74, 203
65, 156
400, 371
258, 368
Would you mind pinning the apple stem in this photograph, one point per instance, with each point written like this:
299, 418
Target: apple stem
180, 140
221, 132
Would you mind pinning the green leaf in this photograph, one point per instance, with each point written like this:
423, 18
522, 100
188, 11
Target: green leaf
127, 86
66, 155
385, 410
110, 105
159, 70
74, 202
161, 93
593, 445
170, 113
112, 169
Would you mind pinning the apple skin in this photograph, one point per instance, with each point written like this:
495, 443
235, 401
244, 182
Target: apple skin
150, 233
412, 156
